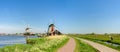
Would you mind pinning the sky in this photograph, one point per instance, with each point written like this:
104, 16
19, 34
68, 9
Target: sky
69, 16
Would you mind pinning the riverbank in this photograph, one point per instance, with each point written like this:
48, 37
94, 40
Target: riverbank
45, 44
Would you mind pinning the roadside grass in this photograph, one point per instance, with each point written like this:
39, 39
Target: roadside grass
109, 45
82, 46
116, 38
103, 38
46, 44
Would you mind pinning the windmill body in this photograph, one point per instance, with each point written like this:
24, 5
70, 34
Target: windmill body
27, 29
27, 32
52, 31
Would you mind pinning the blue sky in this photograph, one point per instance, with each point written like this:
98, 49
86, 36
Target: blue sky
69, 16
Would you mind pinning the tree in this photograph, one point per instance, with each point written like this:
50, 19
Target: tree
92, 33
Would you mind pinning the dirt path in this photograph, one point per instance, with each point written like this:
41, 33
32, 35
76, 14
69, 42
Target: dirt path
69, 47
99, 47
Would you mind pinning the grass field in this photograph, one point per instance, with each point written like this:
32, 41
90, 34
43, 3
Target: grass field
116, 38
53, 43
46, 44
103, 38
82, 46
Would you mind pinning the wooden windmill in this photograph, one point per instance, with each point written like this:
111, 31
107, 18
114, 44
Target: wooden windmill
51, 29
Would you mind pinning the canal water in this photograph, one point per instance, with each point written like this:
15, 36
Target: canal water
109, 43
10, 40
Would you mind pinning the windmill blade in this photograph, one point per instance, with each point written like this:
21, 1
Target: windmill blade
24, 23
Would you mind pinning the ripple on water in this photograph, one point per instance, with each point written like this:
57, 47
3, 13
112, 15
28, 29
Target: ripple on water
10, 40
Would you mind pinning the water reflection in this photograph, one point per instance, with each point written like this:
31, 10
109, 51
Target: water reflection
10, 40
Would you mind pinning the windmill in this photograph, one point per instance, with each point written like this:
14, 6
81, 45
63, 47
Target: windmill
27, 29
27, 32
52, 30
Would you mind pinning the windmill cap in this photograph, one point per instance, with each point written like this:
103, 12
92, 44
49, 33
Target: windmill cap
51, 25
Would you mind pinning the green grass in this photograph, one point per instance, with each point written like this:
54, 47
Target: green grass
46, 44
116, 38
103, 38
14, 48
33, 41
83, 47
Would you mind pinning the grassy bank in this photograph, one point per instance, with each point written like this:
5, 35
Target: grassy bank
103, 38
116, 38
46, 44
82, 46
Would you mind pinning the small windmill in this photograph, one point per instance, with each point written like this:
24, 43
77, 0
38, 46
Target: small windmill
27, 32
27, 29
